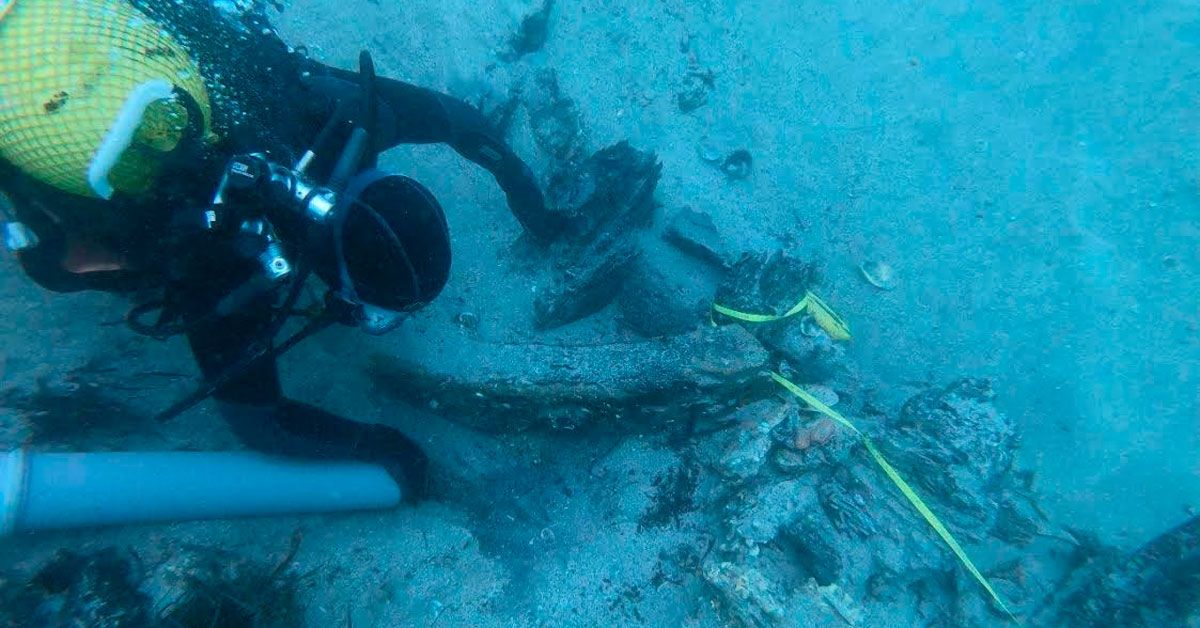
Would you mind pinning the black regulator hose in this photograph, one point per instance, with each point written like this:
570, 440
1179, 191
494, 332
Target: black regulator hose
351, 160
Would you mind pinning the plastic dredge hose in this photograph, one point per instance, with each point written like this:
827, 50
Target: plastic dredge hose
45, 491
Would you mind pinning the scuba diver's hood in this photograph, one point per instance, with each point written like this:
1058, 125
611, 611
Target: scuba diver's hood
90, 94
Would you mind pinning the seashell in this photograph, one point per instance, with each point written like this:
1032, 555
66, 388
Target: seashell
709, 152
879, 274
824, 394
810, 328
789, 461
738, 164
467, 321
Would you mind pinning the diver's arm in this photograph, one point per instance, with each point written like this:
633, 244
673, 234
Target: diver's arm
443, 118
43, 263
416, 115
298, 430
255, 409
46, 262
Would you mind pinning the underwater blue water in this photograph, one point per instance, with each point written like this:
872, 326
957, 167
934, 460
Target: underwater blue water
1029, 171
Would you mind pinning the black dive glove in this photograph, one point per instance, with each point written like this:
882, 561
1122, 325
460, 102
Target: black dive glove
516, 179
316, 433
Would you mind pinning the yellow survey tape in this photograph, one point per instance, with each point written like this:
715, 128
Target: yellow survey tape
834, 325
901, 484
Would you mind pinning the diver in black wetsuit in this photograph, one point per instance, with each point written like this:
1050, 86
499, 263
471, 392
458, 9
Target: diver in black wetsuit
199, 235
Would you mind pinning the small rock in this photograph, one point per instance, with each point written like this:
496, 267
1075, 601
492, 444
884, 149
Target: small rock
709, 153
767, 410
764, 511
810, 328
843, 604
738, 165
773, 283
788, 461
532, 34
467, 321
746, 455
756, 601
805, 445
693, 94
694, 233
846, 508
654, 303
816, 434
815, 358
739, 451
824, 394
819, 547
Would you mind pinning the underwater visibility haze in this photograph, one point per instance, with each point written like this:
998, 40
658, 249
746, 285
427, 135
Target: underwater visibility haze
593, 313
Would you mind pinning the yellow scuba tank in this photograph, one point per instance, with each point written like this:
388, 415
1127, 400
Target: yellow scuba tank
87, 100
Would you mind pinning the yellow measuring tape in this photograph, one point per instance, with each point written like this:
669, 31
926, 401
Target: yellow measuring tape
834, 325
837, 329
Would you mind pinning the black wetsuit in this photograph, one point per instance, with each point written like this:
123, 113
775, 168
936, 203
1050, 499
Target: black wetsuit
269, 99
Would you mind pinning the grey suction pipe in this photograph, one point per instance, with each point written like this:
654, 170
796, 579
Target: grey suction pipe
44, 491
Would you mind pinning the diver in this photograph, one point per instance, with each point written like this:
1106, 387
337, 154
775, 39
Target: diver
186, 153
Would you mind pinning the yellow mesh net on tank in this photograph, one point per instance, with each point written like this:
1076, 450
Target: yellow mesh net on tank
67, 70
